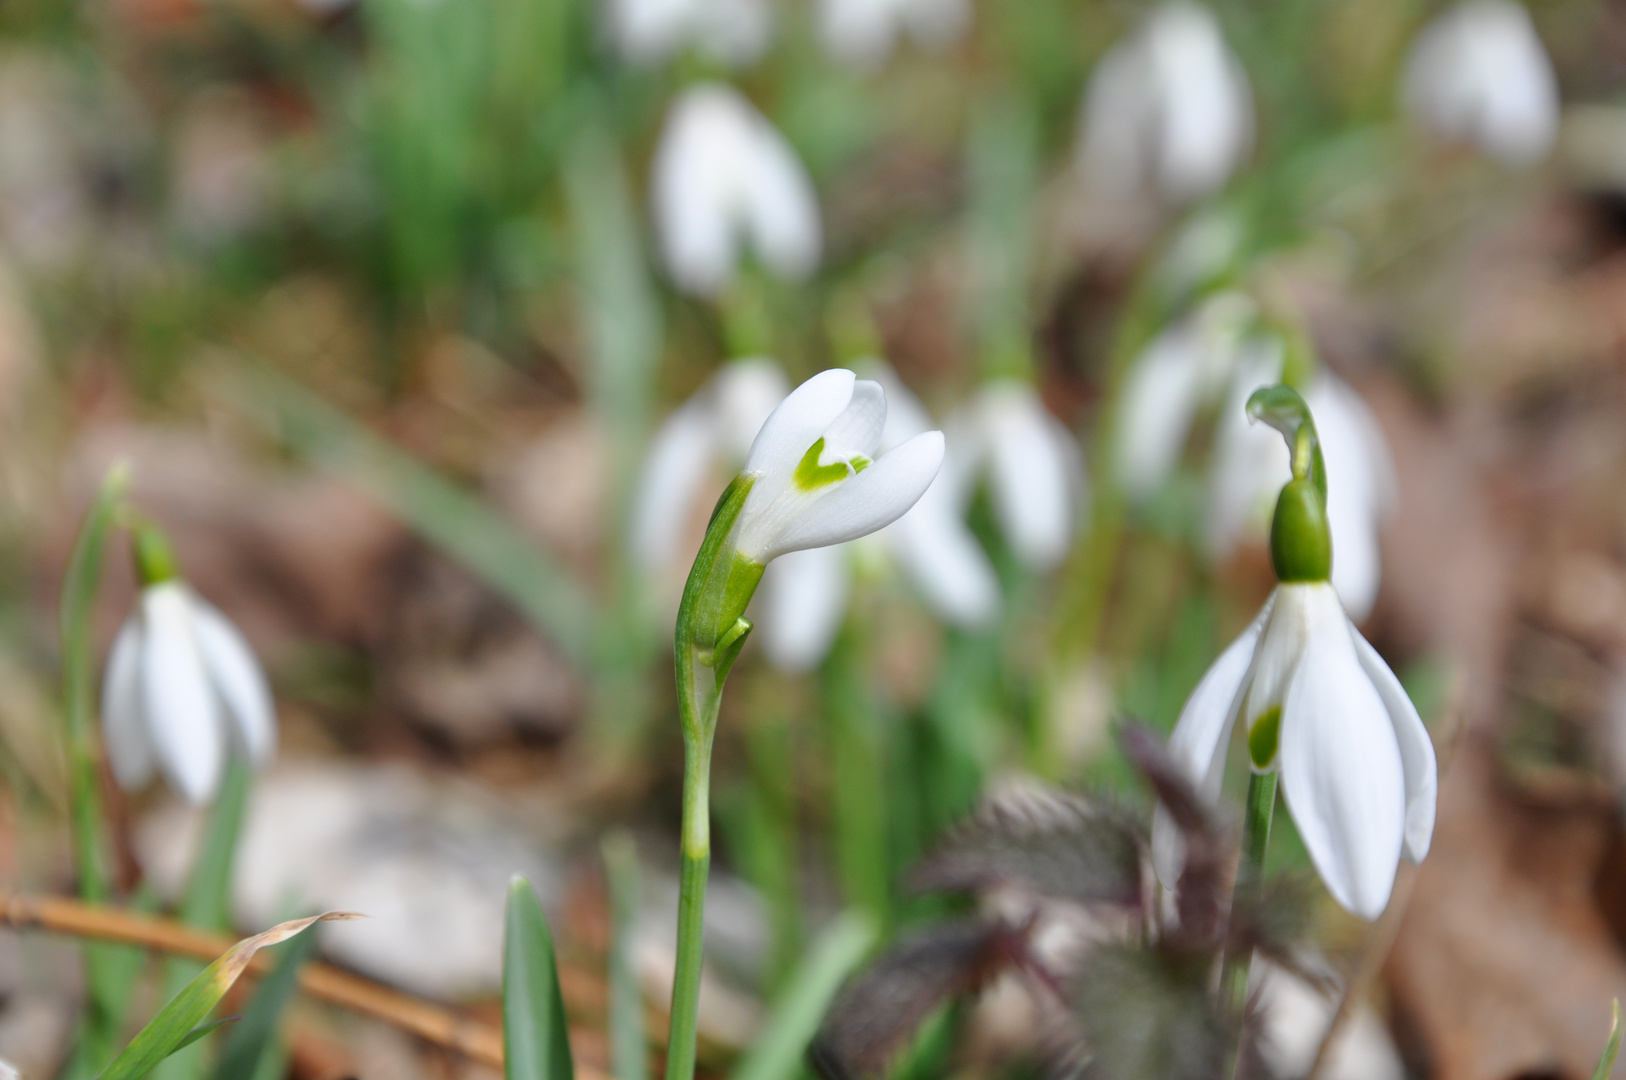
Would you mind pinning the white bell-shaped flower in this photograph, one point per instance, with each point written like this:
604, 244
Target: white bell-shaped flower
862, 33
724, 180
1168, 108
804, 595
1478, 74
1033, 466
1357, 766
182, 690
815, 473
708, 435
732, 32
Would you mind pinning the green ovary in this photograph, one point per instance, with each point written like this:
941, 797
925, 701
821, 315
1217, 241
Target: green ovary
1264, 737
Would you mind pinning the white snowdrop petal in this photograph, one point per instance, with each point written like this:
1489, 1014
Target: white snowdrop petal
1417, 757
177, 701
740, 398
238, 678
679, 460
1206, 118
857, 431
1201, 736
944, 561
1030, 477
1117, 107
123, 729
705, 147
1342, 774
1248, 467
800, 421
1159, 402
1358, 482
802, 599
779, 205
861, 504
906, 417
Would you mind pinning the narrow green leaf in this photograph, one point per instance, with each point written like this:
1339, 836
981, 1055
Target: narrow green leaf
629, 1055
171, 1028
460, 523
777, 1053
203, 1029
247, 1045
535, 1038
1611, 1049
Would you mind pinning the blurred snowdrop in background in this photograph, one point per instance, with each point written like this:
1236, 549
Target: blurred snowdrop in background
1168, 109
1479, 75
730, 32
863, 33
726, 186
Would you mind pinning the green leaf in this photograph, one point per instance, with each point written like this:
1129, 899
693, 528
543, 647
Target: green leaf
203, 1029
460, 523
778, 1051
536, 1044
173, 1027
629, 1056
247, 1044
1611, 1049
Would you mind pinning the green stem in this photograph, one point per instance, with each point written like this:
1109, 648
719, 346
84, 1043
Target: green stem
680, 1047
1255, 839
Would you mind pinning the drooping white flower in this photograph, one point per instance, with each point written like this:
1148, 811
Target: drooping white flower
731, 32
1168, 108
1357, 766
724, 181
182, 690
711, 432
1478, 74
804, 595
1315, 700
1033, 468
816, 478
862, 33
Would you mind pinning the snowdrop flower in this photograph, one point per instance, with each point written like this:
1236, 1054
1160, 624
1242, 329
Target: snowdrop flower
1478, 74
804, 594
182, 687
1169, 108
725, 179
814, 475
862, 32
1033, 468
1317, 703
731, 32
713, 428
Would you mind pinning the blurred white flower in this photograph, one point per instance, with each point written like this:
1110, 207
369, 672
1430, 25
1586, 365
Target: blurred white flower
1478, 74
863, 33
804, 595
816, 474
724, 180
1170, 107
1357, 766
1211, 354
8, 1071
711, 432
182, 690
1033, 466
732, 32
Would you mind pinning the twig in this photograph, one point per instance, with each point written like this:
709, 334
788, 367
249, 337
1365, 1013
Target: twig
433, 1023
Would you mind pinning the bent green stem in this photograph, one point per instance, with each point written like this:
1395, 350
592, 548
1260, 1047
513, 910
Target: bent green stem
1239, 958
711, 630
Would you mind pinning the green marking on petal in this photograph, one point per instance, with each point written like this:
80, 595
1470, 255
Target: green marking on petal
810, 475
860, 463
1264, 738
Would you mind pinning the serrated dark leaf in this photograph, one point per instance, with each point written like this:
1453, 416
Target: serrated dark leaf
873, 1017
1057, 845
1147, 1014
1210, 851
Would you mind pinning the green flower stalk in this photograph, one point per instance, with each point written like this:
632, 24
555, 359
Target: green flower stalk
812, 479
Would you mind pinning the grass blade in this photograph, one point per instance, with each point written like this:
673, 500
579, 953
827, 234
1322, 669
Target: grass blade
460, 523
536, 1043
173, 1026
777, 1053
1611, 1049
629, 1055
248, 1042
